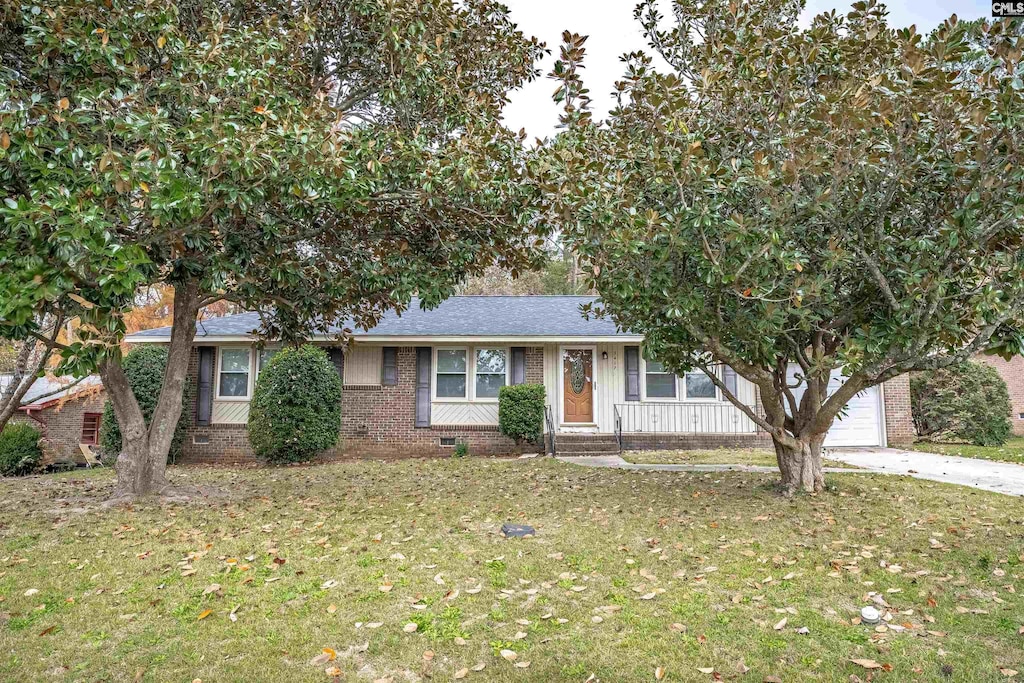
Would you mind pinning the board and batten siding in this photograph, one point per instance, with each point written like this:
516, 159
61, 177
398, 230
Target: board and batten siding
363, 365
666, 415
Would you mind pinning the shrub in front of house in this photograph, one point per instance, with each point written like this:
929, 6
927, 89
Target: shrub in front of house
964, 402
521, 412
296, 407
144, 367
19, 450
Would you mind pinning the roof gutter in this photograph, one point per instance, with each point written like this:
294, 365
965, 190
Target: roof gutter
410, 339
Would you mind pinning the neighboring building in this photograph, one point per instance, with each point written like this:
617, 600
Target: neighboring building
1012, 372
417, 384
65, 419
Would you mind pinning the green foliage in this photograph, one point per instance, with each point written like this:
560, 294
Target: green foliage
296, 406
144, 367
461, 450
19, 450
521, 412
326, 163
838, 194
965, 402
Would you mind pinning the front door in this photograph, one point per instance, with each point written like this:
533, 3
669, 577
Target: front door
578, 385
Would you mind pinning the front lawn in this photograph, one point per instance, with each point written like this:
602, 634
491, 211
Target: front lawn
1011, 451
762, 457
370, 571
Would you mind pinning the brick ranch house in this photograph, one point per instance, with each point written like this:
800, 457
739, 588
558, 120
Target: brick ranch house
419, 383
64, 419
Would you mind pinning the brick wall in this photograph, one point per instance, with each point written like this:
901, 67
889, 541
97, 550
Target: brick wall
899, 424
376, 421
61, 425
1012, 372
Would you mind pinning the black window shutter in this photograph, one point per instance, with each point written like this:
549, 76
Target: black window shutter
423, 360
632, 365
729, 379
518, 365
389, 366
338, 360
204, 386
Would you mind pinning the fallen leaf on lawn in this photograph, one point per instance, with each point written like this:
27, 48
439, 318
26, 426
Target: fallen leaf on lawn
659, 673
410, 627
329, 583
385, 588
332, 608
47, 630
461, 673
522, 665
478, 667
452, 594
1009, 673
332, 671
212, 588
867, 663
459, 640
596, 619
233, 614
438, 580
771, 679
510, 655
706, 669
205, 613
678, 628
803, 630
781, 625
742, 668
320, 659
378, 624
31, 591
428, 655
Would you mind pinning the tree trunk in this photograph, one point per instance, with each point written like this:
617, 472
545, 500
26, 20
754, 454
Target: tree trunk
142, 463
800, 464
31, 360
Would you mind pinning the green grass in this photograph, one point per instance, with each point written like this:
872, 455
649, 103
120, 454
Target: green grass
719, 456
1011, 451
678, 570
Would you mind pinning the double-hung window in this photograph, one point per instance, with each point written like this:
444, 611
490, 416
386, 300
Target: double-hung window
451, 373
490, 372
264, 358
233, 373
660, 382
699, 386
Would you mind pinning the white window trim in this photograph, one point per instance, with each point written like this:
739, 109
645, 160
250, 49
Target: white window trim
470, 395
508, 371
220, 357
434, 373
680, 396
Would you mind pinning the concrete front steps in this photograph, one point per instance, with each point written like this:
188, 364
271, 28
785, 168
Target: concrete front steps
581, 444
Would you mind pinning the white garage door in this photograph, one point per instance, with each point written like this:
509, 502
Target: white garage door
861, 423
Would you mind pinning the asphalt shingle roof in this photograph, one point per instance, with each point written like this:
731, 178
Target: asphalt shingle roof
469, 316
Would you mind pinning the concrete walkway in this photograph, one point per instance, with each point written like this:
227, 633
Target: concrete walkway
1000, 477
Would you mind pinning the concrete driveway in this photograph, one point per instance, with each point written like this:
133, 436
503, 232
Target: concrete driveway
1001, 477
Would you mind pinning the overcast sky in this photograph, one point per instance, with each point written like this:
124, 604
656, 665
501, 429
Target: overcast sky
613, 32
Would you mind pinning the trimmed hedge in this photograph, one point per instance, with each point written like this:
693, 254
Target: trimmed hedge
19, 450
296, 408
144, 367
521, 412
965, 402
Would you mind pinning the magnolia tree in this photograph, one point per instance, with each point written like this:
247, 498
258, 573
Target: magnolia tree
311, 160
794, 201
